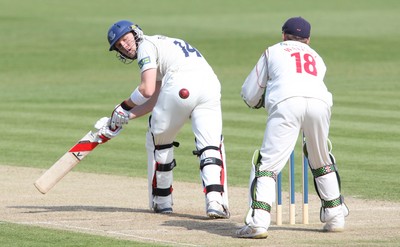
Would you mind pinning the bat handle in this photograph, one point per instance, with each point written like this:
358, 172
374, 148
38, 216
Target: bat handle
102, 139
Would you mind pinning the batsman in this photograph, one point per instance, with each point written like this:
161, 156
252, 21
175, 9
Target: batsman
176, 85
288, 80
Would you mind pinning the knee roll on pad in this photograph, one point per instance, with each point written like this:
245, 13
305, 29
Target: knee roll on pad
212, 182
163, 178
159, 175
166, 167
212, 161
213, 172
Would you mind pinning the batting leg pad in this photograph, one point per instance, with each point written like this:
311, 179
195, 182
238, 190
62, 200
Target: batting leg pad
160, 175
213, 173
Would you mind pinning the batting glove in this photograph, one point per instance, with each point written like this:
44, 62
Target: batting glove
120, 116
105, 133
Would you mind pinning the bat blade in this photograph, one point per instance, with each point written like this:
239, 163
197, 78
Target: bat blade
67, 162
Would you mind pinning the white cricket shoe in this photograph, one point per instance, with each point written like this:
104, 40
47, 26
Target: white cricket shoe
216, 210
163, 208
252, 232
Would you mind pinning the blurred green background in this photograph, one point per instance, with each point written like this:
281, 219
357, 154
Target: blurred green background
57, 78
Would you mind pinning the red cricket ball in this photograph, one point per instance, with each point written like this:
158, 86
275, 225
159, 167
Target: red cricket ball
184, 93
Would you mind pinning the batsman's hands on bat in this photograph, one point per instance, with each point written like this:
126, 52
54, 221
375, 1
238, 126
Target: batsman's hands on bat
104, 131
120, 115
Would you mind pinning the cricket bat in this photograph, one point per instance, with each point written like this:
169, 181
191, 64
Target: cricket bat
68, 161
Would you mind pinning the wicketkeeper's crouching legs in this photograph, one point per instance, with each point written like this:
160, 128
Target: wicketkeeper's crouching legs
214, 177
258, 218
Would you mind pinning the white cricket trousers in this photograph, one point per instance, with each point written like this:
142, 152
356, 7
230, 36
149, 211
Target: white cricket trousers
202, 107
284, 123
171, 112
285, 120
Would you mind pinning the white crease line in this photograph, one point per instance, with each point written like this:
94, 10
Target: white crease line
38, 223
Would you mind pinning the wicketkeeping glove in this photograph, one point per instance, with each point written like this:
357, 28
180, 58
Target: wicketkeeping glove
105, 133
120, 116
260, 103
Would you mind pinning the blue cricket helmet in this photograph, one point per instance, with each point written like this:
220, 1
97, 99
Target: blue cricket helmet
119, 29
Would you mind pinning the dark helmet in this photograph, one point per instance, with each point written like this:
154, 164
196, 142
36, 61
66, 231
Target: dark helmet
120, 28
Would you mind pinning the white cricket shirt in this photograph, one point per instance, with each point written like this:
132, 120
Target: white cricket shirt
287, 69
169, 55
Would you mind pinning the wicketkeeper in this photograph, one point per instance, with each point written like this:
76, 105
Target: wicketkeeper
288, 80
177, 84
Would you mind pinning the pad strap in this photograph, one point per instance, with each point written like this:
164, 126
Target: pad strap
261, 205
162, 192
214, 187
165, 146
210, 161
323, 170
332, 203
199, 152
266, 174
166, 167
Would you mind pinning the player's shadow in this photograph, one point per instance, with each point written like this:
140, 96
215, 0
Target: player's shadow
222, 227
225, 227
189, 221
99, 209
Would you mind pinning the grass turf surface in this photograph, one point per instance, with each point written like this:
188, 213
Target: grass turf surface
57, 78
15, 235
